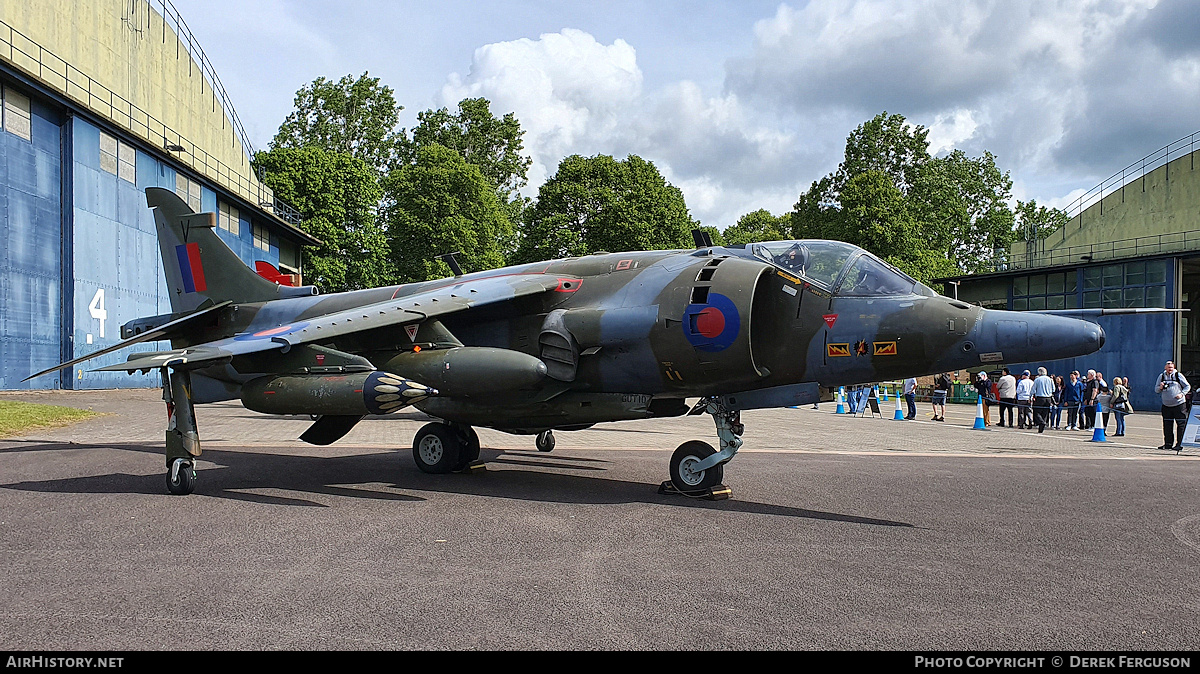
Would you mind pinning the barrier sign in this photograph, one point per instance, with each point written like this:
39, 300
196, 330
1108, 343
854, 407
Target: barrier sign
1193, 427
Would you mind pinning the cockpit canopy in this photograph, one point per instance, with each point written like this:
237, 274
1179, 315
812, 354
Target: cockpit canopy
839, 267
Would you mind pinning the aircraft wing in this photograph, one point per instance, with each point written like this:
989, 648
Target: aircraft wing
410, 309
163, 331
1106, 312
392, 313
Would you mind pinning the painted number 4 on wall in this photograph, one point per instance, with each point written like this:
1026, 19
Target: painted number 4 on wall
96, 309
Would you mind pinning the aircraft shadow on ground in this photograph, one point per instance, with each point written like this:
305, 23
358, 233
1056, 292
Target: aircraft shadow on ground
240, 472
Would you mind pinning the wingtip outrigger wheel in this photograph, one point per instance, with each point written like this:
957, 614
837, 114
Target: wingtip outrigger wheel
182, 438
181, 479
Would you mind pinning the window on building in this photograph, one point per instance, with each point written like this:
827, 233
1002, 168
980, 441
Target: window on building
126, 162
228, 219
262, 237
118, 157
289, 256
108, 153
188, 190
1055, 290
17, 118
1133, 284
1129, 284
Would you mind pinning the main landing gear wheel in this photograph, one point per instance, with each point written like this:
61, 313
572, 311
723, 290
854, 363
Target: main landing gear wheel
468, 442
436, 448
545, 441
181, 478
683, 474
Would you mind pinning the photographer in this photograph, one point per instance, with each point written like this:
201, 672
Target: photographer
1174, 389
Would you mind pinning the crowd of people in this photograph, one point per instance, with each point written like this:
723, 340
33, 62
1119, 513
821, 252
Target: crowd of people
1074, 402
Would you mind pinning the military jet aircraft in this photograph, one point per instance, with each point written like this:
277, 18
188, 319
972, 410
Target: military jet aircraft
558, 345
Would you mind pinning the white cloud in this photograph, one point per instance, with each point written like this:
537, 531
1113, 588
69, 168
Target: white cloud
1062, 93
949, 130
566, 89
574, 95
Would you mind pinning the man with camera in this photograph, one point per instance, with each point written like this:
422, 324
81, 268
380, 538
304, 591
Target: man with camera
1174, 388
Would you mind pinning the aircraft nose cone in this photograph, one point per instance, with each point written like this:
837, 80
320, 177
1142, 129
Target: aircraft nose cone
1026, 336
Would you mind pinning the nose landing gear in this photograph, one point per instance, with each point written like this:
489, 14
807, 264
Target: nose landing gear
696, 468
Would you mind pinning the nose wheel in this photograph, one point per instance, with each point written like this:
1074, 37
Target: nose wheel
696, 468
686, 477
545, 441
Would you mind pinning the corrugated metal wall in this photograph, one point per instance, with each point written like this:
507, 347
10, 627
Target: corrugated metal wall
31, 250
111, 273
117, 275
1135, 346
116, 256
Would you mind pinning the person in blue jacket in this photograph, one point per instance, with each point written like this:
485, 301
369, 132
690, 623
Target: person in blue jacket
1072, 395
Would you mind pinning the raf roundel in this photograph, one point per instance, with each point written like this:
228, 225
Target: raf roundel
712, 326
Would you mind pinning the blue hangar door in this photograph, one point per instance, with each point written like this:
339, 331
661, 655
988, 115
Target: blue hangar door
31, 240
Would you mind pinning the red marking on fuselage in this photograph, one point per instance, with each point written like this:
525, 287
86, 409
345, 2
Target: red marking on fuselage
710, 322
568, 285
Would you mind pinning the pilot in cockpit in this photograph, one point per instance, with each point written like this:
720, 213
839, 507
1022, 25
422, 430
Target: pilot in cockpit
794, 258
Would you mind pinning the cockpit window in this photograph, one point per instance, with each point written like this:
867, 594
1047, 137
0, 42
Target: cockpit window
820, 261
870, 276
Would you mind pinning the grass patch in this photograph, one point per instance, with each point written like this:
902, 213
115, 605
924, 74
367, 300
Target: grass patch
16, 417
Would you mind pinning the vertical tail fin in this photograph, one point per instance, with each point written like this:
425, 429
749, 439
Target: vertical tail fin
199, 266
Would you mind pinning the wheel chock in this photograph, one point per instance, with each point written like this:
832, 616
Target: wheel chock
718, 492
475, 467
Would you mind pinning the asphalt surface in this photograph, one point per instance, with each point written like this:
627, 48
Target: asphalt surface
842, 533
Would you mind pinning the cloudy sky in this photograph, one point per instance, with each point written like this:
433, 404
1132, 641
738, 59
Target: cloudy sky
742, 104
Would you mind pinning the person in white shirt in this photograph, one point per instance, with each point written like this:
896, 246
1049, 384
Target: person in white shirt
910, 397
1007, 390
1025, 401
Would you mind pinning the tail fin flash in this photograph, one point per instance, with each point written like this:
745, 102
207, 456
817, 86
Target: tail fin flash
199, 266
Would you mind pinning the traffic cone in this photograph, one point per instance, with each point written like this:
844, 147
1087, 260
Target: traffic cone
883, 394
979, 425
841, 400
1098, 434
899, 415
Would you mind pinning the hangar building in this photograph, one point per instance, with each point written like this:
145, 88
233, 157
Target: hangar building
100, 100
1133, 241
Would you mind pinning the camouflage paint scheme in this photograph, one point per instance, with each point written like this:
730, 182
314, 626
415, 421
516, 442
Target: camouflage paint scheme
567, 343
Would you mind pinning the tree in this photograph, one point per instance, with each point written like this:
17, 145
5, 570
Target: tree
1037, 222
930, 216
714, 235
597, 203
758, 226
336, 195
963, 205
493, 145
354, 117
441, 204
